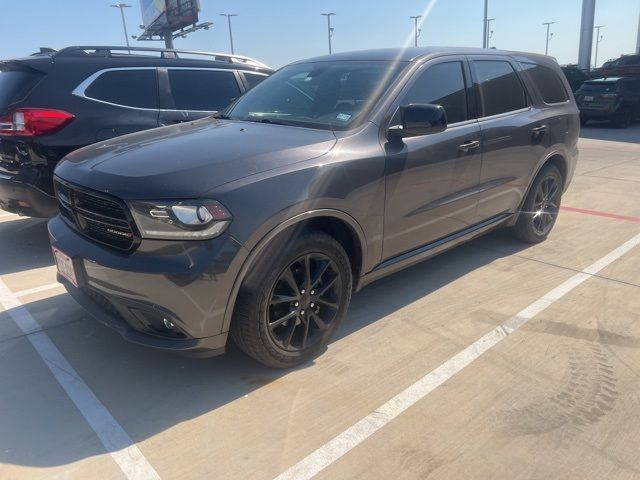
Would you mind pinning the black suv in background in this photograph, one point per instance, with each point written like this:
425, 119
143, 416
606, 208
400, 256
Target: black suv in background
615, 99
54, 102
330, 174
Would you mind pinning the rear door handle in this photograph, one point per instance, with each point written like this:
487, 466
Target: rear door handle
472, 145
539, 129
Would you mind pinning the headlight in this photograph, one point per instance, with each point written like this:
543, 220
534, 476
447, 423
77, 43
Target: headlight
180, 220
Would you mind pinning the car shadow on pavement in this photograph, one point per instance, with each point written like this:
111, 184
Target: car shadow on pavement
605, 130
24, 243
149, 391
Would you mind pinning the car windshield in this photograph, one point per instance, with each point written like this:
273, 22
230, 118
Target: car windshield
324, 95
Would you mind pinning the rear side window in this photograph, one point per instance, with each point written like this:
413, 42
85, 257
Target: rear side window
500, 88
205, 90
14, 85
599, 87
253, 79
131, 88
441, 84
547, 81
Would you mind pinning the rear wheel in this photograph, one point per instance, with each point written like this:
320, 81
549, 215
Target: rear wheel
540, 208
292, 303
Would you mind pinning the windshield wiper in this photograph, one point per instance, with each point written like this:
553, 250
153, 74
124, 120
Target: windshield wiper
221, 116
272, 121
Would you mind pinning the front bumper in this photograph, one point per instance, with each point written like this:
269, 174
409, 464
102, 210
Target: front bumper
186, 283
25, 199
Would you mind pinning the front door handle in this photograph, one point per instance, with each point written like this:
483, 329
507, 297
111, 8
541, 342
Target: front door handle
539, 129
467, 146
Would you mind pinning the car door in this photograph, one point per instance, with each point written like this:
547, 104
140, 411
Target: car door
192, 93
513, 134
432, 179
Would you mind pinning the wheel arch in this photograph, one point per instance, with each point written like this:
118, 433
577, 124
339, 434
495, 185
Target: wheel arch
340, 225
556, 158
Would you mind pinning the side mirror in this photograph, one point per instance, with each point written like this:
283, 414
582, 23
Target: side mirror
419, 119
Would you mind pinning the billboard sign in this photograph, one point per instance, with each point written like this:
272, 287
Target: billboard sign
152, 10
172, 14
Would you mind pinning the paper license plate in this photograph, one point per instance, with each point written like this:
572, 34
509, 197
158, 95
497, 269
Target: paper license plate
65, 266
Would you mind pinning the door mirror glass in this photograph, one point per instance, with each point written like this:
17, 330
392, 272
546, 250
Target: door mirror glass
420, 119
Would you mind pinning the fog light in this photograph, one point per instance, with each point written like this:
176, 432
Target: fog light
168, 324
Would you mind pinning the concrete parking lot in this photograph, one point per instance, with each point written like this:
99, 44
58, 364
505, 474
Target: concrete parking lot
428, 376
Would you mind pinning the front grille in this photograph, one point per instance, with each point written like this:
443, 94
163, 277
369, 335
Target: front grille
97, 216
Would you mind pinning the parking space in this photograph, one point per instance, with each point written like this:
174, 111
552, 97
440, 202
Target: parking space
557, 398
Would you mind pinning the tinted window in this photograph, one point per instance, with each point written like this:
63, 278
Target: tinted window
548, 83
208, 90
133, 88
253, 79
500, 87
14, 85
441, 84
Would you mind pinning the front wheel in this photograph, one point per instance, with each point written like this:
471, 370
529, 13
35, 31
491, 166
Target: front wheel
293, 302
540, 208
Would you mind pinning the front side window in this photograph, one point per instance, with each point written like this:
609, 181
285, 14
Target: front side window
325, 95
131, 88
441, 84
203, 90
500, 88
547, 81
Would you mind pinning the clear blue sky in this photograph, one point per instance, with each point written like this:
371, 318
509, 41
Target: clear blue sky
280, 31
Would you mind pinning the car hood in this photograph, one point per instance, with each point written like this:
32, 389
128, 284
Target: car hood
190, 159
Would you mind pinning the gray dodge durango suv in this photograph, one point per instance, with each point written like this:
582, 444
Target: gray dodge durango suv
260, 222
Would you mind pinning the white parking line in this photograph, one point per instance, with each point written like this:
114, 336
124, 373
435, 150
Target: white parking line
115, 440
331, 451
41, 288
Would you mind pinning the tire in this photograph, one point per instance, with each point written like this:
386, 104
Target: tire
540, 209
268, 296
623, 118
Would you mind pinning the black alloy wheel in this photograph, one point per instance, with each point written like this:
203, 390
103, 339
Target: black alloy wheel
304, 302
540, 208
293, 300
546, 204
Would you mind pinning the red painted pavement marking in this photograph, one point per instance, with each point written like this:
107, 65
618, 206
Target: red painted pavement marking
597, 213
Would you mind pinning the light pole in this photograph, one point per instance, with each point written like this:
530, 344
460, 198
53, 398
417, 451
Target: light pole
489, 31
417, 30
586, 34
484, 22
229, 15
598, 40
122, 6
329, 29
549, 37
638, 40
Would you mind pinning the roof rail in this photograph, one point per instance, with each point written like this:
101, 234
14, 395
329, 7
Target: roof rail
106, 51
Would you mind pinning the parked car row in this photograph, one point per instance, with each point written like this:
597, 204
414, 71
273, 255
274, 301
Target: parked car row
259, 223
611, 92
54, 102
